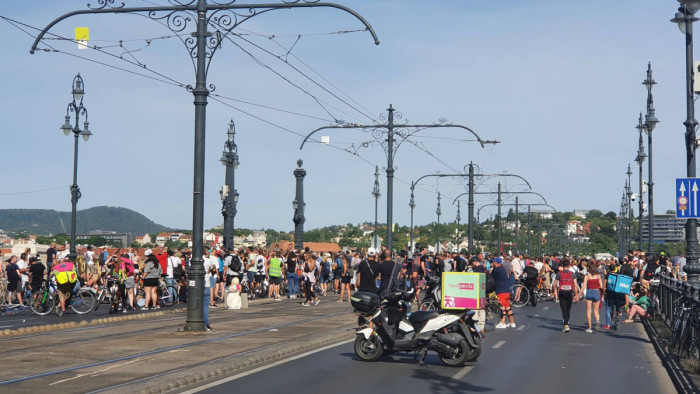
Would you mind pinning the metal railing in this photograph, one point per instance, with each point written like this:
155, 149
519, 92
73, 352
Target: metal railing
670, 292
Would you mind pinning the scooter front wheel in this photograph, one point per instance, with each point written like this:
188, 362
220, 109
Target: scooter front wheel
368, 349
474, 353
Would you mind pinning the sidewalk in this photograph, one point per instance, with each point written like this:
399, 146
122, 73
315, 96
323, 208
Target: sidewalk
153, 353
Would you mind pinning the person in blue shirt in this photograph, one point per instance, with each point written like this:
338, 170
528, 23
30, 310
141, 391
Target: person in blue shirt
500, 276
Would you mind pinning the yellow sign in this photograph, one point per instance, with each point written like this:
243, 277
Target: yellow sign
82, 36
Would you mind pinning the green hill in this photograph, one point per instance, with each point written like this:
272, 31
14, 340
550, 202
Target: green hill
49, 221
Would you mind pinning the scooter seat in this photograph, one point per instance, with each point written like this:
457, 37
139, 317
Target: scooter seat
421, 316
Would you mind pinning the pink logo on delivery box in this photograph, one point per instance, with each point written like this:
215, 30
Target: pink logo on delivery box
466, 286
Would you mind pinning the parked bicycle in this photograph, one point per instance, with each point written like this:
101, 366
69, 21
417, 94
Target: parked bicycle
81, 300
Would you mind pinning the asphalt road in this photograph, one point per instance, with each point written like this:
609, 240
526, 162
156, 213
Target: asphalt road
534, 357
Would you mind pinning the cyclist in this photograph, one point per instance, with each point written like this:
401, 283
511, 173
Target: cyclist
66, 277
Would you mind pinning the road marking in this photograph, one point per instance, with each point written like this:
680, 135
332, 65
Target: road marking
537, 315
545, 308
499, 344
459, 375
91, 374
521, 328
256, 370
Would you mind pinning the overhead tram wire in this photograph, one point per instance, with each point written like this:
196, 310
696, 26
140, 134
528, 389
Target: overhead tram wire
303, 74
35, 191
316, 99
292, 131
169, 80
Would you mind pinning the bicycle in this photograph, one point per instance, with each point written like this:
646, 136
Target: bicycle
106, 292
166, 294
7, 307
493, 311
679, 325
43, 302
519, 298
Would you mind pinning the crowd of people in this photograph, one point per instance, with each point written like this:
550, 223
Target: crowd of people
306, 275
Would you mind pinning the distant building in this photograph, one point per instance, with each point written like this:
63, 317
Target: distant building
125, 238
582, 213
667, 228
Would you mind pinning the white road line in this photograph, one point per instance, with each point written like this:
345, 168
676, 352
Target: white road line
256, 370
459, 375
545, 308
521, 328
499, 344
537, 315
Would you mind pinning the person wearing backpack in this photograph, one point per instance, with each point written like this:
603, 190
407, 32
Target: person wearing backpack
325, 273
567, 287
66, 277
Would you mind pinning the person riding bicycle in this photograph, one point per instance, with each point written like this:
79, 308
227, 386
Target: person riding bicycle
66, 277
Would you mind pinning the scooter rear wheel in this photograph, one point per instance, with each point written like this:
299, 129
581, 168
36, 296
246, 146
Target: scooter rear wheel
368, 349
460, 358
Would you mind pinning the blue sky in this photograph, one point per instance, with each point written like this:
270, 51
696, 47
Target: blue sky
559, 85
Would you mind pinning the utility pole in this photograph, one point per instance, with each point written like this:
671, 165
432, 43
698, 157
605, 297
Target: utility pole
223, 19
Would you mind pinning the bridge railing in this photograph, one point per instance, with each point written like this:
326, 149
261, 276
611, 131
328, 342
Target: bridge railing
670, 293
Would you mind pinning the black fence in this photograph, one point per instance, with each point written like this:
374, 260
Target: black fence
679, 307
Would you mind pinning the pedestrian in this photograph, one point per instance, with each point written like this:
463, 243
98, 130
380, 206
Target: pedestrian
292, 277
639, 306
592, 283
502, 280
173, 272
310, 280
386, 273
51, 254
347, 275
37, 272
13, 279
367, 272
274, 270
152, 272
611, 301
566, 286
210, 272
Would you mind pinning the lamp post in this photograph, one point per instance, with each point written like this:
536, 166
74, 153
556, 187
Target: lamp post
201, 46
649, 125
685, 18
228, 199
75, 106
412, 205
458, 219
640, 160
438, 211
376, 194
299, 206
628, 189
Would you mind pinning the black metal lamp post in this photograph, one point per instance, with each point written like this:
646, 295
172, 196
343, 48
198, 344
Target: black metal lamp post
412, 205
640, 160
299, 206
376, 193
685, 18
438, 211
458, 219
649, 125
628, 190
223, 18
75, 106
228, 199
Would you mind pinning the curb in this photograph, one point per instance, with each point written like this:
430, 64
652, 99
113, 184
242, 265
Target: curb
101, 320
238, 365
675, 371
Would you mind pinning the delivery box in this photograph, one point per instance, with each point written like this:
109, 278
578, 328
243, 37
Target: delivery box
463, 290
621, 284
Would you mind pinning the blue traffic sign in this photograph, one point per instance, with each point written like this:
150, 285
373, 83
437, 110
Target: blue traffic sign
687, 198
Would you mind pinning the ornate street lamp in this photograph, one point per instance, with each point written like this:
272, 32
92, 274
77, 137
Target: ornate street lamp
299, 207
228, 199
649, 125
76, 107
438, 211
458, 219
412, 205
376, 194
685, 18
640, 160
